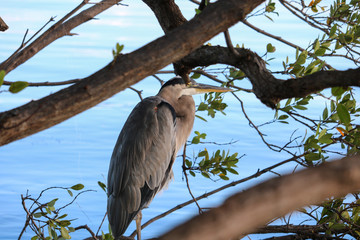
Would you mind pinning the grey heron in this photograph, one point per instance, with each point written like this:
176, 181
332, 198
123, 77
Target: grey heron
143, 156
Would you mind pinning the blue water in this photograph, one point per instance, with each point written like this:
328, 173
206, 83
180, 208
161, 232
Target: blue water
78, 150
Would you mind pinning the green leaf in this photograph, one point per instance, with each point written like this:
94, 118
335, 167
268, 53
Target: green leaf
17, 86
64, 223
325, 113
337, 91
202, 106
312, 156
205, 174
188, 163
316, 45
70, 193
2, 75
283, 117
119, 48
326, 139
233, 171
321, 51
77, 187
38, 214
52, 202
102, 185
224, 177
202, 153
195, 140
302, 58
300, 107
343, 114
62, 216
64, 233
196, 75
201, 118
270, 48
332, 33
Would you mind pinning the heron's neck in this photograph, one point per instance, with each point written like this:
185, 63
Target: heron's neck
185, 114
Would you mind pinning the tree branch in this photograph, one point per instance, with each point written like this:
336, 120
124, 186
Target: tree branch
127, 70
265, 86
243, 212
57, 31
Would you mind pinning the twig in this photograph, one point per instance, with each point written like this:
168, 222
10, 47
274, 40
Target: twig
229, 44
24, 43
205, 195
47, 84
187, 181
28, 219
137, 91
271, 146
102, 222
86, 227
77, 195
202, 72
280, 39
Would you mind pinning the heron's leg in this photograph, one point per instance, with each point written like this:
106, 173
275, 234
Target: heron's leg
138, 225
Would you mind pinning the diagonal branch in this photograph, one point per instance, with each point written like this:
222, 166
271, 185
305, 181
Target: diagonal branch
57, 31
243, 212
127, 70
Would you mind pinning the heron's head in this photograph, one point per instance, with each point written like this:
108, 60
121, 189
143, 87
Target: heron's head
177, 87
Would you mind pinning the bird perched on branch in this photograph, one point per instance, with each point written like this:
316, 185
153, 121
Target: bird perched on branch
143, 156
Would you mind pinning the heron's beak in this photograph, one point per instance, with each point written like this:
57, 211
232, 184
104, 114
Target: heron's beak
204, 88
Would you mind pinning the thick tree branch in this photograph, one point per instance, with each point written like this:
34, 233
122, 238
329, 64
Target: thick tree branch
244, 212
124, 72
301, 230
266, 87
169, 17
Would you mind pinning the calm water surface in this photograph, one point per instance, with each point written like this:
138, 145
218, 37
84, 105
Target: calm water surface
78, 150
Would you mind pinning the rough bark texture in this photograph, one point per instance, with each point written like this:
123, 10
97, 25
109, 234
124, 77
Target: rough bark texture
244, 212
169, 17
127, 70
267, 88
167, 13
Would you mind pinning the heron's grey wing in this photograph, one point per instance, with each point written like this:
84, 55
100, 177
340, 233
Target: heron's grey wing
141, 161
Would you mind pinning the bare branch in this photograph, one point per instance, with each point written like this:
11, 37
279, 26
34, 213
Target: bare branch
86, 227
57, 31
232, 184
273, 198
187, 180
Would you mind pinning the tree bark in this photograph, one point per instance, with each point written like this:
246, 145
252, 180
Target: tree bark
268, 89
125, 71
243, 212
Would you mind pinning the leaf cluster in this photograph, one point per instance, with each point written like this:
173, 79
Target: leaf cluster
46, 216
213, 102
219, 164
